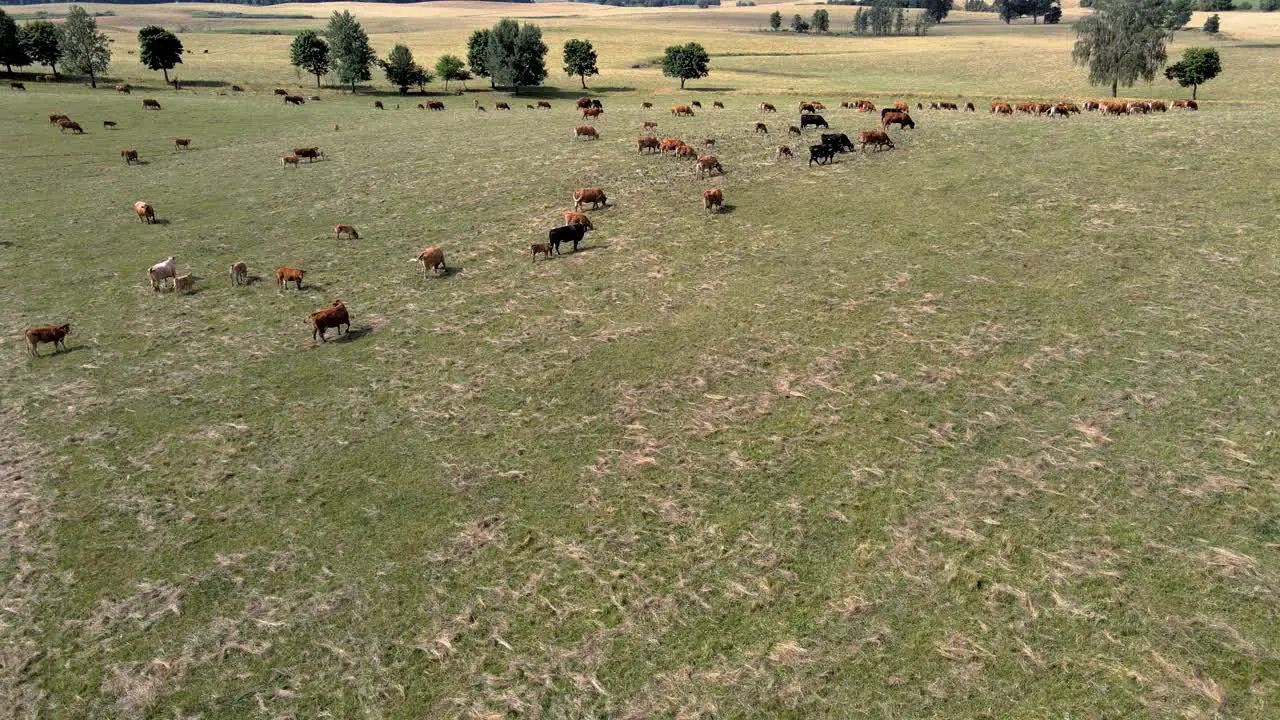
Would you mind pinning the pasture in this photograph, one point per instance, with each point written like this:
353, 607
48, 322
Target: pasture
980, 426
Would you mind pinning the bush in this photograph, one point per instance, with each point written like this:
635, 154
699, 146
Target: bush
745, 3
1269, 5
1244, 6
1213, 24
982, 6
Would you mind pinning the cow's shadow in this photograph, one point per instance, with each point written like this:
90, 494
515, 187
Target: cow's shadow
161, 221
253, 279
586, 248
726, 209
69, 349
444, 274
353, 334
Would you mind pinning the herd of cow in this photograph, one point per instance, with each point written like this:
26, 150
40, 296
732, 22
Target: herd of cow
576, 223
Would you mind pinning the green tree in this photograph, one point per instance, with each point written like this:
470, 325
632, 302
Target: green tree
310, 52
13, 51
1213, 24
349, 51
880, 17
580, 60
1011, 10
937, 9
1036, 8
402, 71
860, 22
159, 49
821, 21
799, 24
43, 42
775, 21
451, 67
1198, 65
84, 49
687, 62
1179, 14
899, 21
1123, 41
1053, 15
478, 54
517, 57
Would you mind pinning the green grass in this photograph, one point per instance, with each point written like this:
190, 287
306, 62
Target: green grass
978, 427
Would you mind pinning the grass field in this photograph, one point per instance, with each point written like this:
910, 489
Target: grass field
979, 427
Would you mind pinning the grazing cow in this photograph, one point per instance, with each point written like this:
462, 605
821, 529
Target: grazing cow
646, 105
900, 119
1090, 106
280, 91
708, 164
377, 105
648, 124
286, 275
180, 143
900, 105
571, 217
123, 89
543, 104
543, 248
348, 230
949, 106
130, 156
150, 104
717, 105
767, 108
968, 107
1186, 104
236, 88
839, 141
145, 211
591, 113
696, 104
793, 130
647, 142
435, 105
65, 125
527, 107
823, 154
166, 269
713, 199
55, 118
432, 258
814, 120
239, 273
595, 196
932, 106
808, 107
108, 124
334, 316
584, 103
597, 104
819, 106
288, 160
585, 131
682, 111
424, 107
183, 283
15, 85
310, 153
784, 153
55, 334
669, 145
709, 142
501, 106
1159, 106
1002, 108
294, 100
1025, 107
566, 233
878, 138
865, 106
686, 151
762, 129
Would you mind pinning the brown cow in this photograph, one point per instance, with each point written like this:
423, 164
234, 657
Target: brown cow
713, 199
65, 125
145, 211
647, 142
595, 196
1158, 106
544, 248
808, 107
349, 230
288, 160
183, 283
1001, 108
591, 112
571, 217
585, 131
377, 105
968, 107
669, 145
767, 108
239, 273
280, 91
433, 258
819, 106
878, 138
682, 111
900, 119
685, 151
286, 275
646, 105
696, 104
180, 143
543, 104
708, 164
150, 104
310, 153
784, 153
435, 105
900, 105
718, 105
762, 129
648, 124
501, 106
294, 100
55, 334
1186, 104
122, 89
130, 156
584, 102
334, 316
864, 106
55, 117
793, 130
108, 124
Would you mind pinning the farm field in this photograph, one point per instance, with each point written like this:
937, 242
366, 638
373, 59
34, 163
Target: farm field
982, 426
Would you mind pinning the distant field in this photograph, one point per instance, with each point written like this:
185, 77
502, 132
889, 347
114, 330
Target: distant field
982, 426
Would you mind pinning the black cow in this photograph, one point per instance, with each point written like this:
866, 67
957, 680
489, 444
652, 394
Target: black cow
814, 120
567, 233
597, 104
824, 154
839, 141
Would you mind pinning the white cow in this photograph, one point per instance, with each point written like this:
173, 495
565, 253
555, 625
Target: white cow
161, 271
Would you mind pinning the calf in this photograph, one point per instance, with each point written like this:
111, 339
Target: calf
433, 258
595, 196
808, 107
708, 164
823, 154
900, 119
288, 160
164, 270
839, 141
793, 130
686, 151
150, 104
571, 217
566, 233
544, 248
784, 153
767, 108
183, 283
146, 213
585, 131
878, 138
348, 230
286, 275
239, 273
334, 316
814, 120
713, 199
130, 156
762, 129
968, 107
180, 143
55, 334
647, 142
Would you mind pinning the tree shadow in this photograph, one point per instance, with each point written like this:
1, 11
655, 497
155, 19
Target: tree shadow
709, 89
570, 94
202, 83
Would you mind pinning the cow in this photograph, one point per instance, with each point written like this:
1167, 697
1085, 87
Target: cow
145, 211
686, 151
681, 111
543, 248
597, 104
286, 275
819, 106
696, 104
123, 89
435, 105
239, 273
348, 230
1002, 108
106, 124
808, 107
591, 113
377, 105
717, 105
708, 164
294, 100
1159, 106
762, 129
180, 143
1025, 107
433, 258
864, 106
669, 144
793, 130
595, 196
571, 217
15, 85
1115, 108
501, 106
709, 142
55, 334
784, 153
821, 153
839, 141
55, 118
334, 316
310, 153
878, 138
280, 91
566, 233
767, 108
288, 160
236, 88
183, 283
648, 124
647, 142
150, 104
814, 120
544, 105
713, 199
900, 105
585, 131
130, 156
1089, 106
527, 107
646, 105
584, 103
900, 119
164, 270
948, 106
968, 107
1186, 104
65, 125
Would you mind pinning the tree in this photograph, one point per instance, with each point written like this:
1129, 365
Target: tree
1053, 16
937, 9
310, 52
43, 43
799, 24
580, 60
1179, 14
775, 21
478, 54
159, 49
402, 71
1010, 10
1036, 8
13, 51
84, 49
899, 21
1122, 41
859, 22
687, 62
516, 56
1213, 24
349, 50
821, 21
1198, 65
451, 67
